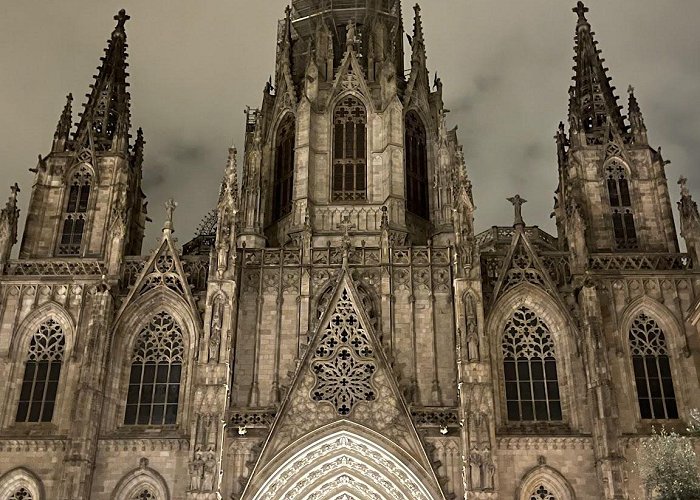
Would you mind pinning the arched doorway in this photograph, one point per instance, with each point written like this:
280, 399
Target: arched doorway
344, 465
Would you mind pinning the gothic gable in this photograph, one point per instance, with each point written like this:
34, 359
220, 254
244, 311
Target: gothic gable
350, 78
344, 376
163, 271
522, 265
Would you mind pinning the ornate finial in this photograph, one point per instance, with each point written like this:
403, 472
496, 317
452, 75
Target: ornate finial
630, 90
13, 197
581, 10
170, 207
122, 17
518, 203
683, 183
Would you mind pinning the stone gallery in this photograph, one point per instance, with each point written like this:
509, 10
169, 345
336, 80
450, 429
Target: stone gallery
336, 329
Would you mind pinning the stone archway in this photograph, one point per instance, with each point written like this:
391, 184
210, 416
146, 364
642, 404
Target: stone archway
343, 465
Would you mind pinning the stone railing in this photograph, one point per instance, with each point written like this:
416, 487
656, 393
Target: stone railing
641, 262
56, 267
252, 418
503, 235
435, 417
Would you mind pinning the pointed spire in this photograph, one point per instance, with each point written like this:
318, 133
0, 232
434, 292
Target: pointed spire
62, 135
593, 101
638, 128
418, 40
107, 116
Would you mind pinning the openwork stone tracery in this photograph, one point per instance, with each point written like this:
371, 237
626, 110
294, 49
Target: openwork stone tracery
344, 360
530, 369
21, 494
156, 369
542, 493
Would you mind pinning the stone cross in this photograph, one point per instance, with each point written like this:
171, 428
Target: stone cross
518, 203
581, 10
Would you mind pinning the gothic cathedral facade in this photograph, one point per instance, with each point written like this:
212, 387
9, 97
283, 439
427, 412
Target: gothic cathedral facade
336, 329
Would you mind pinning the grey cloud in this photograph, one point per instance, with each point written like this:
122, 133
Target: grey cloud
505, 66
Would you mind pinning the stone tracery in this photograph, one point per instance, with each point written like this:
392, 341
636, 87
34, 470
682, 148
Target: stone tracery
344, 360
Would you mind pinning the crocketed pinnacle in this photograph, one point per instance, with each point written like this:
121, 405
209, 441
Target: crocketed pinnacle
137, 156
106, 113
66, 121
593, 101
638, 128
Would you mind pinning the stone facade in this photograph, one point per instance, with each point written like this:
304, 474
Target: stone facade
337, 329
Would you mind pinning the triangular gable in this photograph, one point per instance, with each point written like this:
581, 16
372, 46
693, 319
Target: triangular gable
162, 270
350, 77
615, 145
344, 376
522, 265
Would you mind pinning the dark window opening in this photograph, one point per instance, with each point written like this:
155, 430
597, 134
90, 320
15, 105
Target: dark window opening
416, 154
624, 229
283, 189
74, 216
530, 369
652, 370
349, 175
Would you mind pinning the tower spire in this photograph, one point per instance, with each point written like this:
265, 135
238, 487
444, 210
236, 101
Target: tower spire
418, 40
593, 98
106, 117
61, 137
637, 126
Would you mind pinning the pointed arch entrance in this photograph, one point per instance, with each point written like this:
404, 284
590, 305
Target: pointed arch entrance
344, 464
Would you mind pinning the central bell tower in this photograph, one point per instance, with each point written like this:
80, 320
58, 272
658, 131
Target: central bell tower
348, 141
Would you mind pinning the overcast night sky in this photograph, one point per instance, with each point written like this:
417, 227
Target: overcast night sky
505, 66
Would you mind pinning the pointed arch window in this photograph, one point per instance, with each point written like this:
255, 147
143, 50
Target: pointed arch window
21, 494
156, 370
621, 205
75, 213
284, 168
652, 370
530, 369
349, 151
41, 374
416, 154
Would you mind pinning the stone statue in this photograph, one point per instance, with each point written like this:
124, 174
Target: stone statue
196, 469
209, 472
472, 342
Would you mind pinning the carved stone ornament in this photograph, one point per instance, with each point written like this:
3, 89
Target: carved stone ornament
344, 361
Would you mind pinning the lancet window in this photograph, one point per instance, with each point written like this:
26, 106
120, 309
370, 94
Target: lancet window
416, 154
621, 206
530, 369
75, 214
349, 151
284, 169
652, 370
156, 369
42, 370
21, 494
